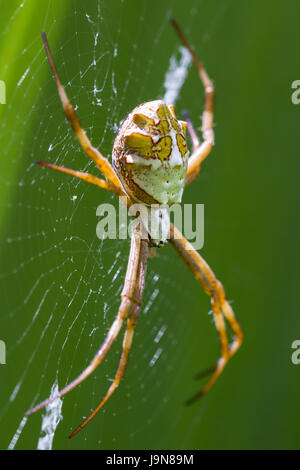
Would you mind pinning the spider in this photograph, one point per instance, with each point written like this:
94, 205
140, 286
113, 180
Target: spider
151, 165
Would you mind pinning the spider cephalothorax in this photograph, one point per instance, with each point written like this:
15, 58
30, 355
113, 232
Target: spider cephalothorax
150, 154
151, 167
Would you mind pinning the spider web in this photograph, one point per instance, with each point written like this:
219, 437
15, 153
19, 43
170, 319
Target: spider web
61, 285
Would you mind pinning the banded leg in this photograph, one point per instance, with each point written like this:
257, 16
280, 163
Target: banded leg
191, 130
128, 294
202, 151
128, 337
93, 153
220, 306
85, 177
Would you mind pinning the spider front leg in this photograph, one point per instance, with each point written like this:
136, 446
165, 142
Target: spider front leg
201, 151
191, 130
101, 162
220, 305
128, 337
87, 177
128, 295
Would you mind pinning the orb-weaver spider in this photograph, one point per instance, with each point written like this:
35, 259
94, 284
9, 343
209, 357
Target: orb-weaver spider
148, 173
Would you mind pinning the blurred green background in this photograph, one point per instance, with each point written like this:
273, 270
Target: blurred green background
60, 285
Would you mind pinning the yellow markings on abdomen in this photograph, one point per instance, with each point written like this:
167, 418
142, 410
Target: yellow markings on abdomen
181, 143
144, 146
139, 143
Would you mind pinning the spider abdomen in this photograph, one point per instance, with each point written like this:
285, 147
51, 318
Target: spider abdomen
150, 154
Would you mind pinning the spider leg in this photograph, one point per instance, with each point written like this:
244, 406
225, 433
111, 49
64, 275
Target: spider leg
128, 337
101, 162
202, 150
128, 294
191, 130
85, 177
221, 308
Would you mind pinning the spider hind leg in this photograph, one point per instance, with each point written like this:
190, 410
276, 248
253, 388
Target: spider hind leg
220, 306
128, 337
137, 249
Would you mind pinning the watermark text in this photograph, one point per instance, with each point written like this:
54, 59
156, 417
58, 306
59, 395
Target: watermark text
155, 219
296, 354
295, 97
2, 352
2, 92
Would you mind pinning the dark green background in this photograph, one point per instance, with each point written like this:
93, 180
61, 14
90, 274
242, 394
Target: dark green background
248, 186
